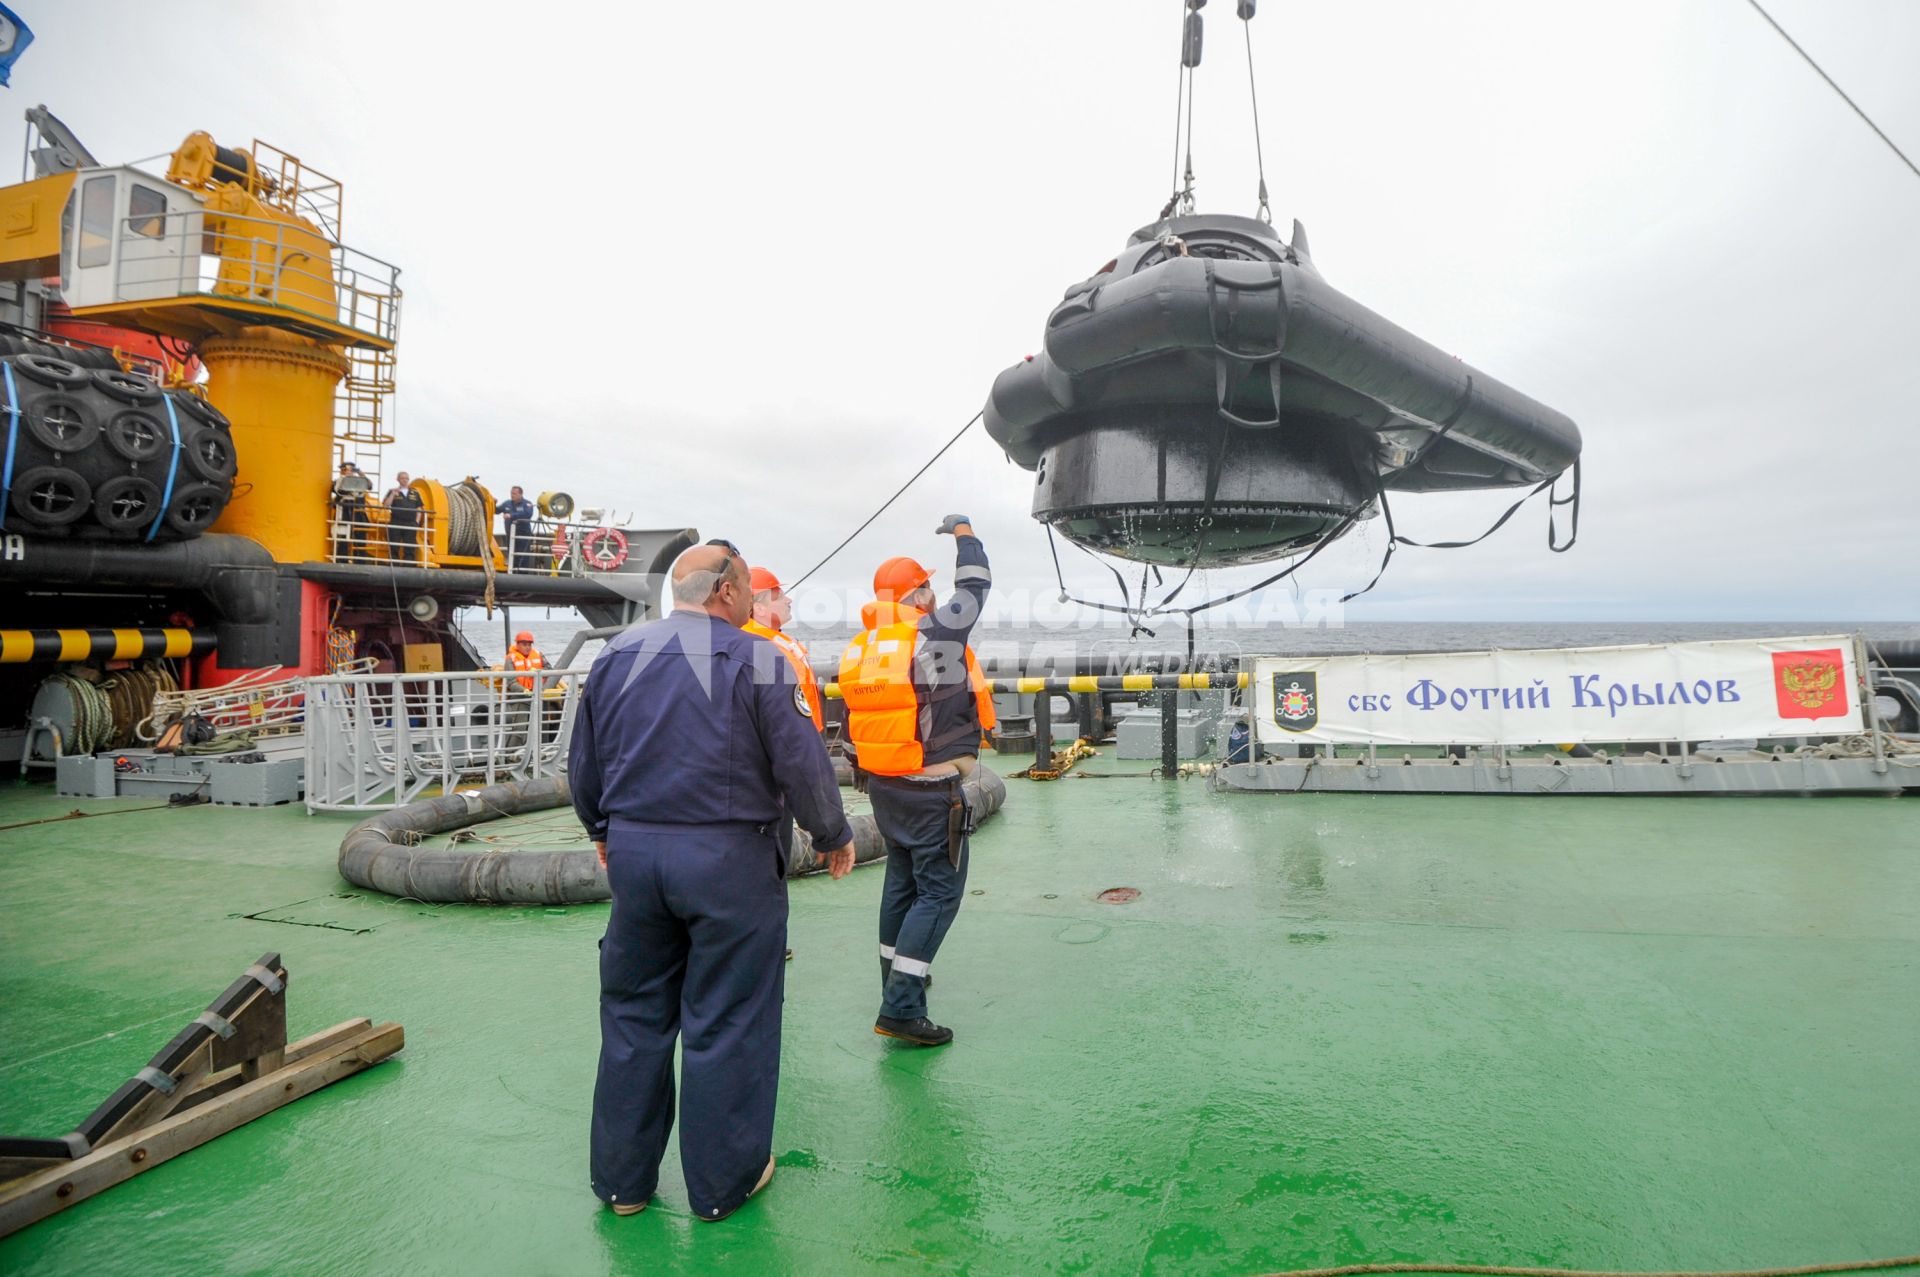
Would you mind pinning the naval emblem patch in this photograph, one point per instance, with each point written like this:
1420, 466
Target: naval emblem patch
800, 701
1810, 684
1296, 700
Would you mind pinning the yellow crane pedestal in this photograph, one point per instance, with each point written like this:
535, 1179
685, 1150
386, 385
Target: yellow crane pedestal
278, 390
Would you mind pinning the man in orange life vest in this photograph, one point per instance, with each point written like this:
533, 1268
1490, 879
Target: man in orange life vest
524, 656
772, 609
914, 721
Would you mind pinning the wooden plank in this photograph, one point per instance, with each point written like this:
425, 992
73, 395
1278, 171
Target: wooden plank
266, 1062
227, 1079
208, 1088
298, 1051
37, 1196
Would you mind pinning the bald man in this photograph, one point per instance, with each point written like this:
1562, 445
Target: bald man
689, 746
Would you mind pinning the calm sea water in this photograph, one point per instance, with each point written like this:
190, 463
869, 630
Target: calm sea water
1030, 642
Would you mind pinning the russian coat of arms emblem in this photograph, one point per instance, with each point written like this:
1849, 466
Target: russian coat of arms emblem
1810, 684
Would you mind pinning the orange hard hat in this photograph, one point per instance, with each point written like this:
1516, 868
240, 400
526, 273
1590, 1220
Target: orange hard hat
759, 579
524, 636
899, 577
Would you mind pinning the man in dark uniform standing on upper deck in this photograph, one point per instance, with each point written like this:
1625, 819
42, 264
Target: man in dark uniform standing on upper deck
692, 739
518, 525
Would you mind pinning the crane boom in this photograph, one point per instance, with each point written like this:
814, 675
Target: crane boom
64, 152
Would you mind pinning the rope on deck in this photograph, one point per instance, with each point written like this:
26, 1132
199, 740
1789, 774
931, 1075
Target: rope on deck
1487, 1270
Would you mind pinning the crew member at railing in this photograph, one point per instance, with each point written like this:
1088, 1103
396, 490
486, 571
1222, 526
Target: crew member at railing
518, 526
524, 656
350, 491
403, 520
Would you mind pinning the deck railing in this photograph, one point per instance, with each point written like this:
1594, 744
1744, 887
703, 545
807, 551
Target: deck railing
227, 255
376, 741
365, 532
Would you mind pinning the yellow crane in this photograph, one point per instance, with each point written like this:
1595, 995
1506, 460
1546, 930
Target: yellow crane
237, 254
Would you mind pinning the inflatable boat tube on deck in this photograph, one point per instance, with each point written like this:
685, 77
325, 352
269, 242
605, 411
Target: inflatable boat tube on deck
985, 792
378, 853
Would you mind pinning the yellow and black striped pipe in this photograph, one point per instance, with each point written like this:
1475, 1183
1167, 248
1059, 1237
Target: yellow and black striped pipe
17, 647
1080, 683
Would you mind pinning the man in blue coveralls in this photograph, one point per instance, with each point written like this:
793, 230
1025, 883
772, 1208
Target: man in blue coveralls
692, 738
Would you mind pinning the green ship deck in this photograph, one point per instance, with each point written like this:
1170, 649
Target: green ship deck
1632, 1034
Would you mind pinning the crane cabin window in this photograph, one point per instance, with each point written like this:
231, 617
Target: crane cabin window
147, 212
96, 222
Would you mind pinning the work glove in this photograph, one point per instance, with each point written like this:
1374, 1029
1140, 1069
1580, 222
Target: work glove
951, 522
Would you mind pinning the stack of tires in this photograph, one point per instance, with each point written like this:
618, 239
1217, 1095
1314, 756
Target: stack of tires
93, 451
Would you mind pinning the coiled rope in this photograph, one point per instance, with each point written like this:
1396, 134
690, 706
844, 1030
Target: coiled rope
1896, 749
107, 713
467, 520
92, 716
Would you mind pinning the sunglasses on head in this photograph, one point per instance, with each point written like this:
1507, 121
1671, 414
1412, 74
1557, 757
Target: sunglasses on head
733, 551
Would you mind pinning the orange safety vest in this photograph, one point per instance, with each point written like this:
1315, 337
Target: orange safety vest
519, 662
982, 694
796, 653
876, 681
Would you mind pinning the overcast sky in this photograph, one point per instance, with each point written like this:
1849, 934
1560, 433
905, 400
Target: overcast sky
744, 266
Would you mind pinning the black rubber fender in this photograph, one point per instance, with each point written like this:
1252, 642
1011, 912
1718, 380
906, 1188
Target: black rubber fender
82, 428
194, 508
127, 504
192, 405
209, 454
61, 374
49, 497
126, 387
138, 435
62, 423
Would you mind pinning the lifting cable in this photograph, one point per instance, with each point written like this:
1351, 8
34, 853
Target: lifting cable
890, 500
1253, 95
1835, 87
1179, 114
1181, 201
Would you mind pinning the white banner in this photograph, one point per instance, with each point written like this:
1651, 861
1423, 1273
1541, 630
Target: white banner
1726, 689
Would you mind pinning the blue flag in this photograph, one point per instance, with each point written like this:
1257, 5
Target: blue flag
15, 36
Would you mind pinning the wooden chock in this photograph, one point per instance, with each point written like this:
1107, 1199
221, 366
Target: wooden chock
229, 1065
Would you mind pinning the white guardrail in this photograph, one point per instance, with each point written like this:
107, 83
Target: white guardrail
376, 741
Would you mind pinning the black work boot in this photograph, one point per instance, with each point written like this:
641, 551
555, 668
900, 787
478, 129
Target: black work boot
920, 1032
